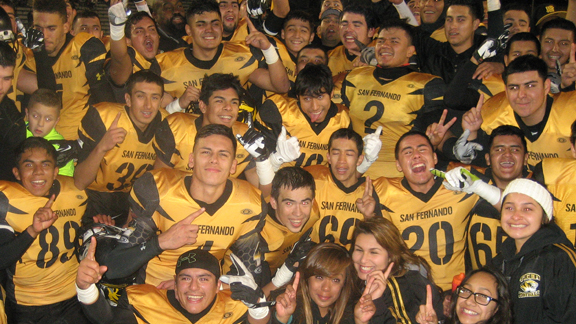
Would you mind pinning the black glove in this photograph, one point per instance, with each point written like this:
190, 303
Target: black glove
34, 39
253, 141
299, 251
67, 150
491, 47
257, 7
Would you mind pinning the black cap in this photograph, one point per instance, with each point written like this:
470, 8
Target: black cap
198, 259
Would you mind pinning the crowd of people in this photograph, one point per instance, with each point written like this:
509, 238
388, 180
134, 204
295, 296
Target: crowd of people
288, 161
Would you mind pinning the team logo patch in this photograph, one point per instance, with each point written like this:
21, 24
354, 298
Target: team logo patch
227, 315
411, 85
240, 156
75, 57
561, 140
239, 59
247, 211
80, 197
529, 284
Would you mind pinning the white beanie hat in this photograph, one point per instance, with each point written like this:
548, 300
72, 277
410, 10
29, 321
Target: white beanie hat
533, 190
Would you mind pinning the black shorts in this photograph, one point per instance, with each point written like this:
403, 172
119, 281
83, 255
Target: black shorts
65, 312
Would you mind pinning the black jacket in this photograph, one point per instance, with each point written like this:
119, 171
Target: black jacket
542, 277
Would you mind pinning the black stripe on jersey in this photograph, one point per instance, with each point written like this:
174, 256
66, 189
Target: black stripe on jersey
94, 130
146, 136
345, 99
166, 144
90, 50
146, 192
476, 84
4, 207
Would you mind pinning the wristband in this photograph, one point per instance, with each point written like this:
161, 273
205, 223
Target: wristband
174, 107
89, 295
493, 5
116, 32
490, 193
259, 312
282, 277
265, 172
142, 6
270, 55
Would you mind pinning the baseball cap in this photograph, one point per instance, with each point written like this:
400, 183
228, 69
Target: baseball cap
198, 259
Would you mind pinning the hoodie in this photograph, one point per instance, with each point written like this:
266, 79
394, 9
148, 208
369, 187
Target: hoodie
541, 277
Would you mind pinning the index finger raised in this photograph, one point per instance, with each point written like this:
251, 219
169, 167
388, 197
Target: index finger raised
378, 131
480, 103
251, 27
115, 122
429, 296
50, 201
194, 215
573, 53
369, 187
91, 255
296, 281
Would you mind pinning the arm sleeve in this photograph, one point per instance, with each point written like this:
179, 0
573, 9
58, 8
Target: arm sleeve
90, 133
560, 296
383, 314
164, 143
102, 313
538, 174
459, 95
12, 247
271, 118
495, 23
93, 54
44, 71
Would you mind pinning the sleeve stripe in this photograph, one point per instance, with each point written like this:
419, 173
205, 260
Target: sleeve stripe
7, 227
568, 251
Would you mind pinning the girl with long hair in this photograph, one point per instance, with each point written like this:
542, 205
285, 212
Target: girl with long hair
397, 277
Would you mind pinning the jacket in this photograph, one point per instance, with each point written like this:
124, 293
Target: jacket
541, 277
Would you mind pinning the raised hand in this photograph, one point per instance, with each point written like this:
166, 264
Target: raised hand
114, 135
243, 286
89, 271
256, 38
43, 218
190, 95
366, 205
34, 39
569, 69
256, 8
472, 119
427, 314
181, 233
253, 141
365, 308
287, 150
299, 251
378, 281
286, 302
437, 131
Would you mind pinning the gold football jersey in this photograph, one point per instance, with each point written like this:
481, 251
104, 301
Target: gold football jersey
337, 206
280, 240
174, 141
151, 305
439, 35
180, 69
339, 60
127, 161
232, 224
46, 272
560, 178
553, 141
433, 225
313, 138
394, 105
79, 63
23, 54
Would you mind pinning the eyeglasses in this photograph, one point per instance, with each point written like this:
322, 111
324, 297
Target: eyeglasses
480, 299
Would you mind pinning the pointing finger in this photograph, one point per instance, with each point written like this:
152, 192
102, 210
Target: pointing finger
388, 270
92, 249
193, 216
378, 131
50, 201
573, 53
429, 297
251, 27
296, 281
369, 187
480, 103
115, 122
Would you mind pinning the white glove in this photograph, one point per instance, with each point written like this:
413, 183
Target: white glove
465, 151
117, 17
245, 289
287, 150
265, 172
460, 179
372, 146
142, 6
